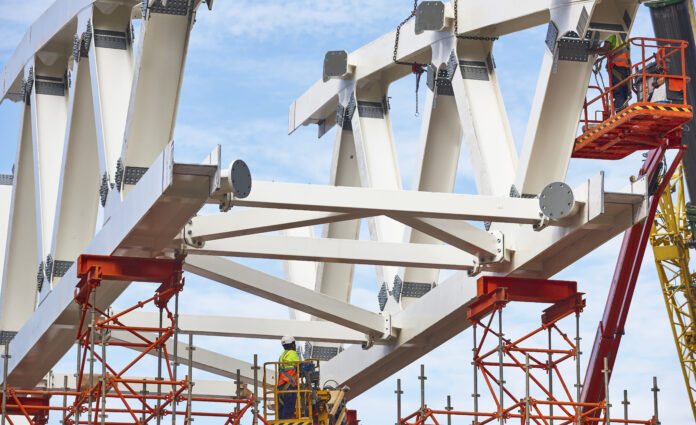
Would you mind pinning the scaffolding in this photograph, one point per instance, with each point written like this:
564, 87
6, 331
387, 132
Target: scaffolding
103, 394
497, 358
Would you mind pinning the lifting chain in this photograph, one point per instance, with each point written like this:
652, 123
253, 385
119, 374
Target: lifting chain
398, 33
466, 37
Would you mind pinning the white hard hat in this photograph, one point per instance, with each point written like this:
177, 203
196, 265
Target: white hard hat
287, 339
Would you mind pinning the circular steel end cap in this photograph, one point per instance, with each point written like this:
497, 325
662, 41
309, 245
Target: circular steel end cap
240, 179
556, 201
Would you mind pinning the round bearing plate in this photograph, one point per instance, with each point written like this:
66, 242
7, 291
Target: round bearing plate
240, 177
556, 200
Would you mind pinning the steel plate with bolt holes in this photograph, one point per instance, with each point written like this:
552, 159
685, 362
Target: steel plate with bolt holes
556, 200
430, 16
335, 64
240, 177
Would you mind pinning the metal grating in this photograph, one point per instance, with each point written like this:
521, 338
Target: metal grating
6, 337
173, 7
415, 289
474, 70
551, 36
110, 39
344, 115
627, 19
61, 267
132, 175
385, 104
606, 27
573, 49
6, 179
396, 290
323, 353
582, 22
370, 109
382, 296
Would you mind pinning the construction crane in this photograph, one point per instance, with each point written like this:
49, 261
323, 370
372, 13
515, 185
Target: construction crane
671, 237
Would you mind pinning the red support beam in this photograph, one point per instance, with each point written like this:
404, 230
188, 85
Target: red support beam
496, 291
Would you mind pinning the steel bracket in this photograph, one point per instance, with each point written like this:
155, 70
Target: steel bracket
500, 254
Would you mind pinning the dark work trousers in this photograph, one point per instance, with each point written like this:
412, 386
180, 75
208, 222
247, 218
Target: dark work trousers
622, 92
287, 402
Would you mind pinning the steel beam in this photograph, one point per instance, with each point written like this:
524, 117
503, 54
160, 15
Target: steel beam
252, 327
112, 81
318, 104
426, 324
165, 198
78, 191
18, 293
368, 201
285, 293
457, 233
249, 221
340, 251
156, 86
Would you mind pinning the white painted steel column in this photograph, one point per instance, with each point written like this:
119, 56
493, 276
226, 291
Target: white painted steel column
112, 63
5, 212
78, 194
377, 163
156, 86
49, 110
438, 156
483, 117
18, 293
558, 101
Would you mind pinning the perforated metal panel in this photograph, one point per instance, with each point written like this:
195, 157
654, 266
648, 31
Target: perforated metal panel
60, 267
110, 39
474, 70
323, 353
415, 289
6, 336
174, 7
370, 109
443, 83
396, 290
573, 49
382, 296
582, 22
551, 36
606, 27
49, 85
6, 179
133, 174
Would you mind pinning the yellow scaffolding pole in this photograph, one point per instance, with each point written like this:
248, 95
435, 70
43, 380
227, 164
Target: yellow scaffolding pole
669, 238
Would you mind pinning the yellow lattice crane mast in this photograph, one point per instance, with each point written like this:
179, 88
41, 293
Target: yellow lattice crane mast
671, 238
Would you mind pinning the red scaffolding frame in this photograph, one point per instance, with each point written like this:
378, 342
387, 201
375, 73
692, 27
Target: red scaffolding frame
503, 356
94, 390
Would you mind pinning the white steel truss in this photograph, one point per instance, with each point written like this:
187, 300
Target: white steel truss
117, 138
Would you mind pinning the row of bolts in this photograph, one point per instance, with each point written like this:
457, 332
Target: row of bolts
475, 395
190, 348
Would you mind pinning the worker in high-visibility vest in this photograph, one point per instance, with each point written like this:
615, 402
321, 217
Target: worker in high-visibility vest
619, 68
287, 379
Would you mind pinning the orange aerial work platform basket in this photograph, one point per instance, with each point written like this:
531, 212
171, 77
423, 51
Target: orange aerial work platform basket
647, 123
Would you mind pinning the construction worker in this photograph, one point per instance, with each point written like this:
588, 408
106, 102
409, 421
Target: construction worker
619, 68
287, 378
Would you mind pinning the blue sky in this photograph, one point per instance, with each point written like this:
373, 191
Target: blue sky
248, 60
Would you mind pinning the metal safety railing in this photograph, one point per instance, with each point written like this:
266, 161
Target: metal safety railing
658, 58
305, 373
